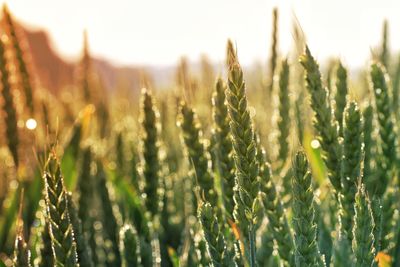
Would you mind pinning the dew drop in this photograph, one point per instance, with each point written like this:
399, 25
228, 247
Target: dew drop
315, 144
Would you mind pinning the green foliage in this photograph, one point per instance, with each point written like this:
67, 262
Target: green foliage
9, 214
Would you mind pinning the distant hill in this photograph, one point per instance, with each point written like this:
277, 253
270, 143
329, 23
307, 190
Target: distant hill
54, 72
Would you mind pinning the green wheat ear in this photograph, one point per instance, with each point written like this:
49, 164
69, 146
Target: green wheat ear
342, 253
86, 202
82, 248
120, 155
86, 193
351, 163
383, 105
46, 247
129, 246
274, 51
231, 56
363, 241
299, 116
86, 69
22, 255
110, 214
214, 237
324, 123
340, 95
20, 61
389, 222
384, 50
244, 147
197, 153
306, 249
284, 109
225, 163
396, 88
277, 229
10, 118
61, 230
370, 179
150, 149
278, 225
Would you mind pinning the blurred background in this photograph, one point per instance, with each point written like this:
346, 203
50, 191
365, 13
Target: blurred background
128, 34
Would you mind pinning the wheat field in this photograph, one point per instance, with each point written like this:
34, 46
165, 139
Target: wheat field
289, 165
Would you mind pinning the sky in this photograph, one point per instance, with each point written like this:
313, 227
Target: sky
159, 32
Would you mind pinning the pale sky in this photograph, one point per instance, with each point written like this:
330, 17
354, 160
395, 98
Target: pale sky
159, 32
